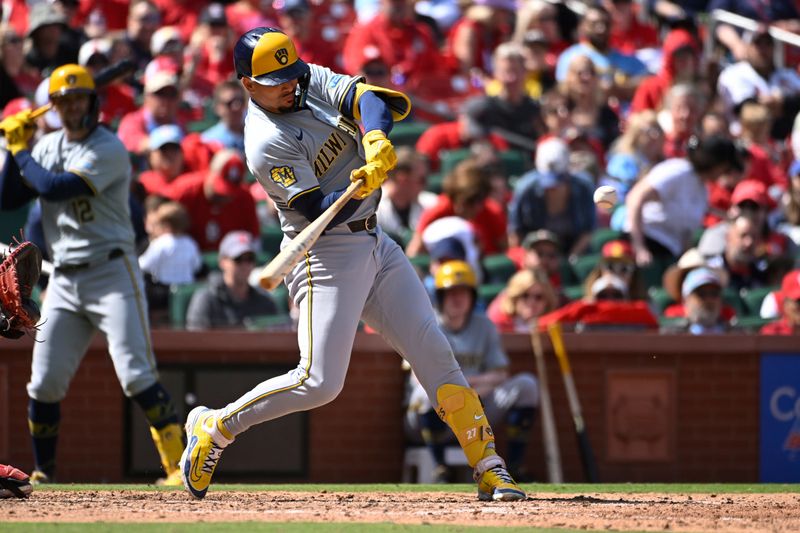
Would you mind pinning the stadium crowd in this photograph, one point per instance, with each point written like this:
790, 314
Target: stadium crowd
521, 108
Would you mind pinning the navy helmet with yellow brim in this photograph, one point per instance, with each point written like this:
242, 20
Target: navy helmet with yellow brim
267, 56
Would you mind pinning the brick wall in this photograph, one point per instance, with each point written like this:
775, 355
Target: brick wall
359, 438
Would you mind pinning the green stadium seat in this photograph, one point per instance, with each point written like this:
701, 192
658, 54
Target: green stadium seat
573, 292
752, 324
565, 271
600, 236
731, 297
211, 260
268, 322
660, 299
754, 297
515, 162
489, 291
12, 222
407, 133
280, 295
179, 298
271, 237
422, 262
450, 158
434, 182
583, 265
666, 322
499, 268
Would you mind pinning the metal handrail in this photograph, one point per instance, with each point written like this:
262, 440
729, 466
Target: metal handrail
720, 16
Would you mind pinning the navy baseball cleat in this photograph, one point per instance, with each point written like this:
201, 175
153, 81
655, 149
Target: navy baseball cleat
494, 481
14, 482
205, 440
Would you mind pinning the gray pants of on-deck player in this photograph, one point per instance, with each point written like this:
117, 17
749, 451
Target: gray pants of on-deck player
347, 277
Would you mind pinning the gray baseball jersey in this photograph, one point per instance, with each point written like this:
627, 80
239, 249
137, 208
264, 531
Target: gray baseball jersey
347, 276
97, 284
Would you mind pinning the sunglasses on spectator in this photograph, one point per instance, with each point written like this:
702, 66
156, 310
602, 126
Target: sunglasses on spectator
609, 294
620, 268
153, 18
245, 258
13, 39
535, 296
167, 92
376, 72
708, 292
233, 102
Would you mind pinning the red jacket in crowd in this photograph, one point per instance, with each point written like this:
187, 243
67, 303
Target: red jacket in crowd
489, 223
653, 88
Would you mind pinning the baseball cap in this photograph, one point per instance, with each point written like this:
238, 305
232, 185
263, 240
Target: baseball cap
92, 47
697, 278
790, 286
236, 243
540, 235
285, 6
552, 156
166, 134
447, 249
752, 190
608, 281
214, 15
44, 14
227, 168
164, 38
160, 80
617, 249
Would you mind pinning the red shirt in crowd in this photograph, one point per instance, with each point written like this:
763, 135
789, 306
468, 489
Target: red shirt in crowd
636, 36
182, 14
781, 327
156, 182
114, 12
212, 221
116, 101
651, 91
489, 223
135, 128
763, 169
447, 136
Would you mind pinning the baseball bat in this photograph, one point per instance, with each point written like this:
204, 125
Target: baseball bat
272, 274
587, 455
103, 78
552, 456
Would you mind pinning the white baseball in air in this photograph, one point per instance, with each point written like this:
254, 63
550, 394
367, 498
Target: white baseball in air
605, 197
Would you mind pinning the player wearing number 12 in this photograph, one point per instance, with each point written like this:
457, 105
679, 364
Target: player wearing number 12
81, 174
303, 145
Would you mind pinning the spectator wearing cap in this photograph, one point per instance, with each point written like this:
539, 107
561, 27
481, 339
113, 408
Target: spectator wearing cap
511, 109
210, 50
117, 98
680, 64
166, 160
744, 256
702, 303
407, 45
440, 252
404, 196
542, 17
15, 79
230, 101
749, 198
616, 258
608, 287
143, 20
52, 42
217, 199
295, 18
540, 250
756, 77
782, 15
591, 114
666, 207
484, 25
465, 194
551, 197
162, 98
619, 73
228, 300
527, 296
789, 296
167, 42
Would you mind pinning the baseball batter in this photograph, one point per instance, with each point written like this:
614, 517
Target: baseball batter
82, 174
303, 145
476, 346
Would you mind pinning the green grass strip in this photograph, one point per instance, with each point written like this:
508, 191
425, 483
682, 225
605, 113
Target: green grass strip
260, 527
531, 488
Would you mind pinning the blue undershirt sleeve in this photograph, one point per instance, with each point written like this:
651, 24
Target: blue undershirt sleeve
375, 114
313, 204
13, 191
54, 186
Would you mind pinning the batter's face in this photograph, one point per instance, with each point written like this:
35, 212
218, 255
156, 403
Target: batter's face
276, 98
72, 108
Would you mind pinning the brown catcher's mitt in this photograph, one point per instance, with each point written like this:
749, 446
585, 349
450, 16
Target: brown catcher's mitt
19, 272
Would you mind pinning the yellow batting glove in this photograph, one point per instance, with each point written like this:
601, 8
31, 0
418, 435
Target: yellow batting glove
18, 130
373, 174
379, 149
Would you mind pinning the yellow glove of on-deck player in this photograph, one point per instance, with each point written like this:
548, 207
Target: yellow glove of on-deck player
379, 149
18, 130
373, 174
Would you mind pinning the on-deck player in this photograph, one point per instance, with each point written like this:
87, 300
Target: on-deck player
82, 173
302, 143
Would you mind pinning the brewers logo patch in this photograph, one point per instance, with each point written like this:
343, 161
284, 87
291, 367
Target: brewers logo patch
71, 79
282, 56
283, 176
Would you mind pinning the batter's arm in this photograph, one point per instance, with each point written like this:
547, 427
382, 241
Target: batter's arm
51, 185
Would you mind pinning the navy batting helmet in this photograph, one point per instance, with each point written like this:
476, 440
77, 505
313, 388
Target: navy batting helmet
267, 56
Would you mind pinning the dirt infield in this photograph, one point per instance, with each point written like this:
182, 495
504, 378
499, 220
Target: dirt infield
622, 512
